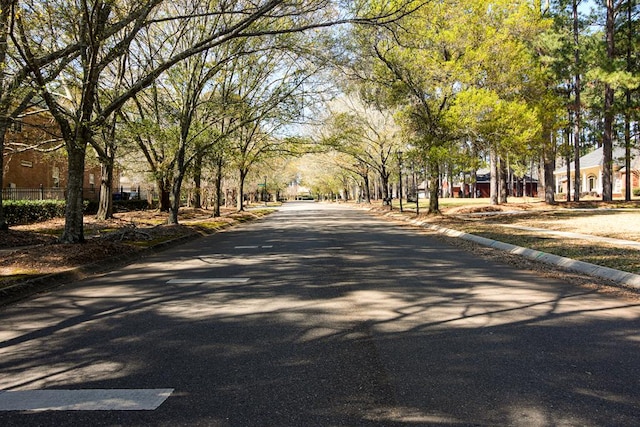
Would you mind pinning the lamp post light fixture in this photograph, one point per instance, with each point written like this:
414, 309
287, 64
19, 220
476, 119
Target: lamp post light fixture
400, 177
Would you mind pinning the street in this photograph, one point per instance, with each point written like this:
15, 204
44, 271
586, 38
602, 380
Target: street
320, 315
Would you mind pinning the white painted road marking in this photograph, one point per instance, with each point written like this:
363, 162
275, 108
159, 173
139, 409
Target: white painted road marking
84, 400
210, 280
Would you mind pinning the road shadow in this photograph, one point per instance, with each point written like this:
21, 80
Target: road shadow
346, 320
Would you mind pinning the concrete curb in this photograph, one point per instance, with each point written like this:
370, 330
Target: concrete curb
622, 278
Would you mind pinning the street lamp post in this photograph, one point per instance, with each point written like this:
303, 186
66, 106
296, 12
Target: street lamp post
400, 177
264, 191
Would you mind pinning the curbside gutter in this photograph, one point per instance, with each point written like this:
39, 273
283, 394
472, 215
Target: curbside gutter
622, 278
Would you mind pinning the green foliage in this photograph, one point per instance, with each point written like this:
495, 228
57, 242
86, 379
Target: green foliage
510, 126
31, 211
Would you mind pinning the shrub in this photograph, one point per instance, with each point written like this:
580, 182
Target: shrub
636, 191
30, 211
91, 207
130, 205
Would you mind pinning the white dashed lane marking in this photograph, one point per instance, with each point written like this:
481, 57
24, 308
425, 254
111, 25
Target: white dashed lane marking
209, 280
84, 400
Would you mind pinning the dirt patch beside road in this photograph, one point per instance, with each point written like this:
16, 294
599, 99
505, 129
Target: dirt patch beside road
30, 251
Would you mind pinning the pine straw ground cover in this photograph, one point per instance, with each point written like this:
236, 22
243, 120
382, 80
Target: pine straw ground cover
31, 251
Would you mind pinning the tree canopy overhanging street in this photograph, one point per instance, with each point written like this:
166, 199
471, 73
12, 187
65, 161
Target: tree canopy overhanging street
343, 99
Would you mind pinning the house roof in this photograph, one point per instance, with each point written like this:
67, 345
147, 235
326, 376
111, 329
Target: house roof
484, 175
595, 159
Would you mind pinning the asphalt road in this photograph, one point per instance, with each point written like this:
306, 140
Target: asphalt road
321, 316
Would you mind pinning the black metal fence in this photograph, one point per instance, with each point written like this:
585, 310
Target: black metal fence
43, 193
33, 193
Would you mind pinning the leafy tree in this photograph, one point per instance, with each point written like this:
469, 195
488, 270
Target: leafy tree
506, 129
367, 132
577, 89
609, 98
612, 74
325, 174
630, 40
433, 55
104, 31
16, 94
563, 51
265, 97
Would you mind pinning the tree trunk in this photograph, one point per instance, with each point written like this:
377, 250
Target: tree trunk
629, 106
607, 136
607, 146
74, 211
386, 198
6, 12
627, 154
548, 166
240, 195
493, 182
367, 190
105, 205
4, 226
503, 181
218, 188
577, 186
434, 200
175, 197
568, 160
434, 188
197, 179
164, 194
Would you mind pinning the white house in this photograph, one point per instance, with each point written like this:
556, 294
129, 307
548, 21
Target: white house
591, 168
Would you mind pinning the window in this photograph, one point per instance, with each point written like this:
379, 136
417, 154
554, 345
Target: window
617, 183
92, 181
56, 177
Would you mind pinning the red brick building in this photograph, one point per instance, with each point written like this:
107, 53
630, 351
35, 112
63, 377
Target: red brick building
33, 168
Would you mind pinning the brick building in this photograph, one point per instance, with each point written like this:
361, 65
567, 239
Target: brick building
32, 166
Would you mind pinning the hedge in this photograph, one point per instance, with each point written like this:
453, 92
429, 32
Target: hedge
30, 211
